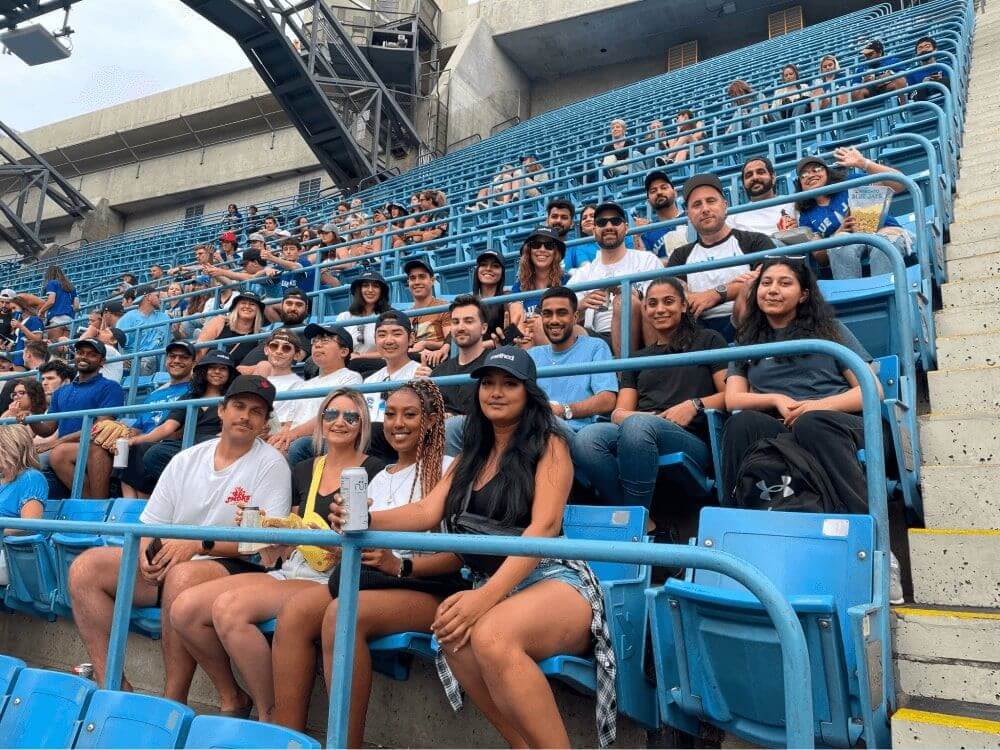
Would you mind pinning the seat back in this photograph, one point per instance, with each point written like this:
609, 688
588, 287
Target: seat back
43, 708
607, 524
123, 720
83, 510
9, 668
221, 732
126, 510
30, 568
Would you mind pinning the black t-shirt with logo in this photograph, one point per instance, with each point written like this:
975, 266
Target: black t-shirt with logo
458, 399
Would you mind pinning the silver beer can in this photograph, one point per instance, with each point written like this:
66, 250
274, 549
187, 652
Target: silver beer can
354, 498
250, 520
85, 670
121, 453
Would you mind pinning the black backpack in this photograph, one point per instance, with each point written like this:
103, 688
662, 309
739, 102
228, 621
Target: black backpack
778, 474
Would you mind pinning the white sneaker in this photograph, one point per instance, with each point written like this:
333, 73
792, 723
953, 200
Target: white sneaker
895, 581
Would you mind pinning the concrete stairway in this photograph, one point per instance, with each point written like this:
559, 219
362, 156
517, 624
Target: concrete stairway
948, 643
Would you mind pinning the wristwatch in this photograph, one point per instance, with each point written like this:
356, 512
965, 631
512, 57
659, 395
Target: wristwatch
567, 411
405, 567
699, 405
207, 545
723, 291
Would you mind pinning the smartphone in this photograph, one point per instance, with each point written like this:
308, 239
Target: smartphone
154, 547
510, 333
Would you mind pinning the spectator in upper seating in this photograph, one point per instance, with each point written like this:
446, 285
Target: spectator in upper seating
245, 318
176, 307
220, 622
6, 313
759, 185
369, 296
128, 280
430, 331
794, 94
223, 299
27, 399
270, 230
515, 470
393, 336
559, 216
748, 107
658, 411
204, 255
114, 340
60, 296
200, 487
358, 243
150, 452
397, 214
599, 308
531, 177
710, 294
111, 312
830, 81
253, 220
340, 216
23, 488
57, 332
575, 399
54, 375
662, 198
488, 281
331, 353
414, 423
155, 331
35, 354
428, 226
156, 272
468, 329
925, 46
829, 214
264, 280
328, 239
89, 390
540, 268
580, 253
689, 132
617, 151
228, 251
653, 141
233, 220
883, 81
25, 325
810, 395
292, 313
503, 185
5, 364
291, 276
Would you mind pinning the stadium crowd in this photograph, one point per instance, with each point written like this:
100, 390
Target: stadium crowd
502, 454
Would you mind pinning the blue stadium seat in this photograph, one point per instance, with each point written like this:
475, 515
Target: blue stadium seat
716, 652
211, 732
42, 709
66, 547
115, 719
32, 586
9, 668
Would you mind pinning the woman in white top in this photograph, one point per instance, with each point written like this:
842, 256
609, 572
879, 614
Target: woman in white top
369, 296
794, 92
400, 593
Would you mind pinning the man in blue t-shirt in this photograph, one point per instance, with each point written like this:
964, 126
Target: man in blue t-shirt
143, 339
90, 390
662, 198
25, 326
290, 276
885, 80
575, 399
926, 71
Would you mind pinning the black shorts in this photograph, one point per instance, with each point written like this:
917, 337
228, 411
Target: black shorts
233, 565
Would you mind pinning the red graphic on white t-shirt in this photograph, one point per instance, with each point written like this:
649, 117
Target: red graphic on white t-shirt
238, 496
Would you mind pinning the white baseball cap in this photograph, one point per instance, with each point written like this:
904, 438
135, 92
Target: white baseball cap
7, 295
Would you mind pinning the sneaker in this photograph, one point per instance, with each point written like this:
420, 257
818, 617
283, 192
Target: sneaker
895, 581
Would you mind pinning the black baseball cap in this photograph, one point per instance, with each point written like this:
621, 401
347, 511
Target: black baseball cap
119, 336
545, 233
338, 332
805, 161
187, 346
421, 261
114, 307
371, 276
705, 179
251, 296
610, 206
215, 357
252, 254
294, 291
142, 291
254, 385
394, 317
510, 359
489, 255
97, 346
657, 175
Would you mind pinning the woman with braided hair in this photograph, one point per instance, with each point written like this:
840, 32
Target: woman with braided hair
401, 591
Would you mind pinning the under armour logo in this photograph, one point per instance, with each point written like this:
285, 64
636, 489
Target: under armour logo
782, 490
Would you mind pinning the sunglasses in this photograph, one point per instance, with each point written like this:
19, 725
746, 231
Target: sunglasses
615, 221
772, 259
281, 346
539, 244
812, 169
332, 415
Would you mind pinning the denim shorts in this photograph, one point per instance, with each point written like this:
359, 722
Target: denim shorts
549, 570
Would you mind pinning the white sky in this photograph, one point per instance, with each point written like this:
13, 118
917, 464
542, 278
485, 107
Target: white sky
122, 50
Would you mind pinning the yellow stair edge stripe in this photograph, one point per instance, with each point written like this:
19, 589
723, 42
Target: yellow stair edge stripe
918, 612
957, 532
984, 726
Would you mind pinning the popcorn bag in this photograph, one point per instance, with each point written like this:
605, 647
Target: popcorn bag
869, 207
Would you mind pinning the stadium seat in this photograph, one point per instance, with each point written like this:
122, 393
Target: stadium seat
212, 732
9, 668
31, 568
66, 546
42, 709
726, 654
116, 719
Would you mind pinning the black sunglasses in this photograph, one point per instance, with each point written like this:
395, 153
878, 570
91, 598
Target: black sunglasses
332, 415
615, 221
772, 259
539, 244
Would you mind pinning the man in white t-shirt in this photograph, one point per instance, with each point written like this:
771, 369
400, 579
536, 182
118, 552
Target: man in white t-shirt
758, 184
201, 486
282, 348
614, 260
711, 294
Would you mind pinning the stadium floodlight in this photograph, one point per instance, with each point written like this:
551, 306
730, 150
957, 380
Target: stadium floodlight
34, 44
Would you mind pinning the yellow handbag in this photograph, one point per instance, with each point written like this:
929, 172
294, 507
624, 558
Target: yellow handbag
319, 559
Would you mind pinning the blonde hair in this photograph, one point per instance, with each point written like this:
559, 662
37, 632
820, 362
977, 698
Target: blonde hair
17, 451
231, 318
364, 434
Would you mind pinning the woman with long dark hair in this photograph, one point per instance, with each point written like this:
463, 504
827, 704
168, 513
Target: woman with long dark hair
400, 591
149, 454
794, 93
369, 296
60, 298
513, 477
27, 399
488, 280
811, 395
658, 411
540, 268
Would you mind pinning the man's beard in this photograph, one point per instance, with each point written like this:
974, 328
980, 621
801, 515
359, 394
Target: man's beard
663, 203
608, 242
760, 189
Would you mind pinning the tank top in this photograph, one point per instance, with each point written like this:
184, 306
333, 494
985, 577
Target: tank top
488, 495
237, 351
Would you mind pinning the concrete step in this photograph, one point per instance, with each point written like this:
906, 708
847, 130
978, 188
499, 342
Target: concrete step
956, 567
936, 724
977, 173
965, 352
948, 653
983, 291
974, 266
967, 320
948, 439
978, 212
974, 390
973, 193
968, 249
974, 232
961, 495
